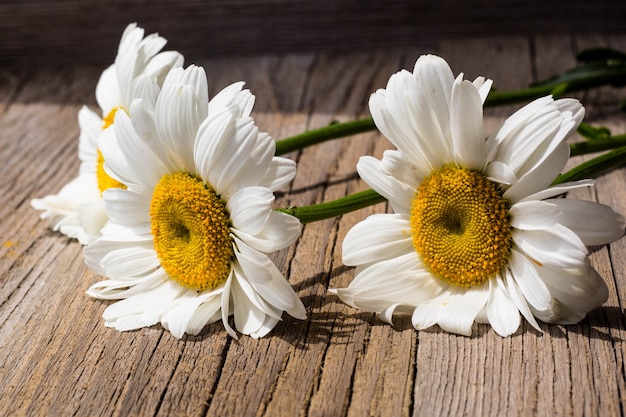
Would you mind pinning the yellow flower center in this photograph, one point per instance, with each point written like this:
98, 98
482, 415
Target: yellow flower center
104, 180
460, 226
190, 227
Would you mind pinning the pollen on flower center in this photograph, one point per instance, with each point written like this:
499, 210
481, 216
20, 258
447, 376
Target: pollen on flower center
460, 226
104, 180
190, 227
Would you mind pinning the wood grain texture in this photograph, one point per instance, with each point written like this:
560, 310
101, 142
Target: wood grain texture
40, 32
58, 359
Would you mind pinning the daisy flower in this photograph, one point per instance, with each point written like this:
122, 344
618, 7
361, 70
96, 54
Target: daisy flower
77, 210
478, 233
187, 241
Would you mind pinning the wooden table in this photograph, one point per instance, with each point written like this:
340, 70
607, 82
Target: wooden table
58, 359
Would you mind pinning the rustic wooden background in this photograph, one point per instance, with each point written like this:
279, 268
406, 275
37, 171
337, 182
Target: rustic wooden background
70, 31
58, 359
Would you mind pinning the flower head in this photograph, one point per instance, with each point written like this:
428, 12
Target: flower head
187, 240
477, 233
77, 210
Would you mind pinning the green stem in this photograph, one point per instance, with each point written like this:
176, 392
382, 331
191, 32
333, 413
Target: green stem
582, 148
576, 82
594, 167
336, 207
315, 136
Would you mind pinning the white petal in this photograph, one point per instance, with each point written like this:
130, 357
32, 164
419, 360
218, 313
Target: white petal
140, 156
233, 95
279, 231
213, 144
252, 295
250, 209
157, 152
121, 234
177, 319
501, 173
520, 300
90, 128
399, 194
526, 277
435, 77
573, 108
387, 314
180, 109
388, 108
540, 177
502, 313
483, 86
244, 162
105, 244
556, 246
534, 215
248, 317
108, 91
402, 280
377, 238
65, 208
279, 173
159, 66
134, 261
518, 120
265, 278
145, 89
410, 110
518, 148
435, 72
466, 125
394, 163
267, 326
558, 189
454, 310
116, 163
390, 116
127, 207
92, 217
425, 316
206, 313
579, 291
124, 288
142, 310
225, 305
594, 223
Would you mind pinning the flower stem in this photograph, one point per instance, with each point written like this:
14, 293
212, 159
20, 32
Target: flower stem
558, 88
594, 167
332, 131
336, 207
582, 148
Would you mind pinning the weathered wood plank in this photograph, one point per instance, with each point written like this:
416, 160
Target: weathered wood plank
39, 32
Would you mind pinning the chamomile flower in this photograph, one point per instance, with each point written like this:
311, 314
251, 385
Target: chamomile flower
77, 210
478, 233
187, 240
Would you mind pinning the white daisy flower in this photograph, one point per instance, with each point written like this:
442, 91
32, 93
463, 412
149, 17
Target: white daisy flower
186, 243
478, 233
77, 210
